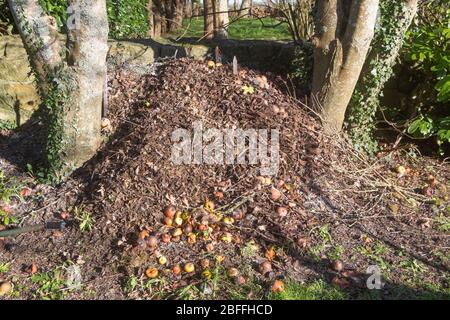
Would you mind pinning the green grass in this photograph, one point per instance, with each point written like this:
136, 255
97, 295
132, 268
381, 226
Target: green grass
8, 188
248, 29
7, 125
317, 290
4, 267
50, 285
84, 218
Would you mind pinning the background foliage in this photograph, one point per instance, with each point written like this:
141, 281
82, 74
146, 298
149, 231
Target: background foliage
427, 53
127, 18
6, 20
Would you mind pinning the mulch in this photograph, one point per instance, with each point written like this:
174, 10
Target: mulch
334, 196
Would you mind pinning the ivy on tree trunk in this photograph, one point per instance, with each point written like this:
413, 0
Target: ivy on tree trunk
394, 20
70, 78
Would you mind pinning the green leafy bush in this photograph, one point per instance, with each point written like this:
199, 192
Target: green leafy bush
127, 18
6, 20
57, 9
428, 51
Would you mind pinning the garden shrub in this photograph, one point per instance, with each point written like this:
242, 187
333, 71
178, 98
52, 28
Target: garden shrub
127, 18
6, 20
428, 53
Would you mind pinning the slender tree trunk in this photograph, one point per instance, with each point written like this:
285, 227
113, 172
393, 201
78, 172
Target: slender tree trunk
388, 40
222, 19
169, 15
215, 4
178, 14
151, 19
245, 9
154, 12
208, 14
70, 87
157, 18
188, 8
345, 32
196, 8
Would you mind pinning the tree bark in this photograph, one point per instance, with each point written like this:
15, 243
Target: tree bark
178, 16
70, 87
169, 15
222, 20
245, 9
151, 19
157, 18
154, 12
195, 8
378, 69
344, 34
188, 8
208, 15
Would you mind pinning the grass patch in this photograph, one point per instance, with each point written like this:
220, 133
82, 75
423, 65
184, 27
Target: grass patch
84, 218
243, 29
4, 267
376, 254
50, 285
8, 188
317, 290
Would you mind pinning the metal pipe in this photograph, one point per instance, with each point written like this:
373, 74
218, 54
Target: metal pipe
52, 225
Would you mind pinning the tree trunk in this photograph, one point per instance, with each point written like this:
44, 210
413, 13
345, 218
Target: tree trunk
245, 9
188, 8
157, 18
151, 19
169, 15
154, 12
195, 8
222, 21
378, 69
71, 87
345, 32
208, 15
178, 14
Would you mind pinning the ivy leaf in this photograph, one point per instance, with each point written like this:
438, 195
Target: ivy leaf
443, 87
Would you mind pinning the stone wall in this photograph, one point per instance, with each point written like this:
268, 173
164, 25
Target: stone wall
18, 96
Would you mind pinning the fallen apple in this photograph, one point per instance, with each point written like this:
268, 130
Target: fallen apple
162, 260
278, 286
165, 238
337, 265
189, 267
176, 269
5, 287
151, 273
275, 194
233, 272
265, 267
169, 212
282, 212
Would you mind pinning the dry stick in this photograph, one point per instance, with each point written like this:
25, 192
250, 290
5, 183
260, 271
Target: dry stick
185, 30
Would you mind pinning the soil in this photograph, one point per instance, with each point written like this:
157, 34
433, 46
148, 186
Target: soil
391, 211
